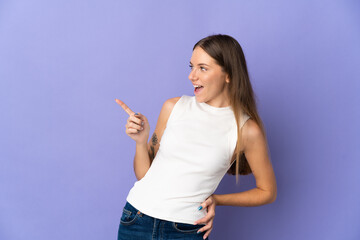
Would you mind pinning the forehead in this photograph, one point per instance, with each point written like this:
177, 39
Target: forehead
200, 56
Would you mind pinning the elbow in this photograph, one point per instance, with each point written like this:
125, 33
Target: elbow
272, 197
272, 193
269, 196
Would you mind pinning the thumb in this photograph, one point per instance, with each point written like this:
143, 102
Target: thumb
202, 206
139, 115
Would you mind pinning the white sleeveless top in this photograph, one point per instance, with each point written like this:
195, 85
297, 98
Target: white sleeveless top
194, 155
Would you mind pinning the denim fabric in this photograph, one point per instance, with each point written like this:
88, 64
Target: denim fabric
135, 225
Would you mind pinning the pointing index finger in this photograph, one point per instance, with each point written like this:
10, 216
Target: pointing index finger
124, 106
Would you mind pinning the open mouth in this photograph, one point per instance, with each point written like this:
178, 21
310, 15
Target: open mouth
198, 88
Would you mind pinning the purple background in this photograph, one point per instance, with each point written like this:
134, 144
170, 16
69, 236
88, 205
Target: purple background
66, 162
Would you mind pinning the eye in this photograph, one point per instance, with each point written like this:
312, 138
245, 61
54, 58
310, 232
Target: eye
190, 66
203, 69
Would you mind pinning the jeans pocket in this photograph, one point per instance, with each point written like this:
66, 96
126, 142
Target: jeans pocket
129, 215
187, 228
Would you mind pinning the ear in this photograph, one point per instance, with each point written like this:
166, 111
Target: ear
227, 79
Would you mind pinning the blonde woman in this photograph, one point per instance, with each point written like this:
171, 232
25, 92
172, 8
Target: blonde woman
197, 140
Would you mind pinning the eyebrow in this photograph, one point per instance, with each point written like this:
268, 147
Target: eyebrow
201, 64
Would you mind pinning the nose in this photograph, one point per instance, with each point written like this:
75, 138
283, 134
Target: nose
193, 75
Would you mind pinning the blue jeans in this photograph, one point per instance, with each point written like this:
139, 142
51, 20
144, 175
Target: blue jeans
135, 225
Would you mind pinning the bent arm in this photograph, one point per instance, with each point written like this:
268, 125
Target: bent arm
145, 153
255, 149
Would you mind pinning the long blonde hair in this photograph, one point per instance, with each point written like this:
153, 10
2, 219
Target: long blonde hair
227, 53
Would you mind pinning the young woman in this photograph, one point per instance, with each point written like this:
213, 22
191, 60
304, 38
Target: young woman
196, 141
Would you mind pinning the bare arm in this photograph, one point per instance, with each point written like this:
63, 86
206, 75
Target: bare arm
256, 153
145, 153
255, 150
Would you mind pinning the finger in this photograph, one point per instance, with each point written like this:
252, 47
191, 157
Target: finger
142, 117
209, 217
125, 107
209, 201
132, 131
206, 203
208, 227
202, 206
207, 234
136, 119
203, 220
134, 126
211, 207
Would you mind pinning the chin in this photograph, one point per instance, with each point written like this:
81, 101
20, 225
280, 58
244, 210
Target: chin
199, 100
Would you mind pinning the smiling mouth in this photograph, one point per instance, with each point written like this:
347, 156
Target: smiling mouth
198, 88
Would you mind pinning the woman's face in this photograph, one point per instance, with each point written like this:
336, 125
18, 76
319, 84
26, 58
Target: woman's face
207, 73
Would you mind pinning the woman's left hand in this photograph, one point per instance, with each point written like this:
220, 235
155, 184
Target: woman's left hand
210, 204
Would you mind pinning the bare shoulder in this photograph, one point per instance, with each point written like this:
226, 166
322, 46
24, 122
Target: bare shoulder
170, 103
166, 111
252, 133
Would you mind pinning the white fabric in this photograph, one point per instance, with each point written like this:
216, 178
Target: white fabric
194, 155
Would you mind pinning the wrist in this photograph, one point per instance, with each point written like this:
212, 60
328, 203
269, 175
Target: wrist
141, 145
216, 199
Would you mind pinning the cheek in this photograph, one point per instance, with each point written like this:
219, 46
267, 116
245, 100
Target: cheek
214, 82
208, 80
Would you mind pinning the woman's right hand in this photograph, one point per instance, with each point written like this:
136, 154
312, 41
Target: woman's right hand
137, 126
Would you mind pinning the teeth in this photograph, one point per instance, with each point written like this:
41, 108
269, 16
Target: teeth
197, 86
